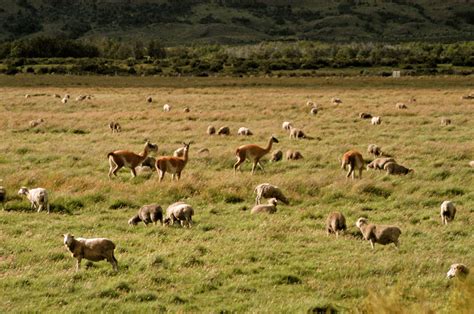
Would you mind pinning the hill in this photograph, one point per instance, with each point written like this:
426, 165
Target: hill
238, 22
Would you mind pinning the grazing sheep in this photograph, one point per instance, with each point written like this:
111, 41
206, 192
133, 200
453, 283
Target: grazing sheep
81, 97
144, 170
56, 96
179, 152
181, 212
336, 101
355, 161
38, 198
149, 99
458, 270
269, 208
3, 196
88, 97
64, 100
296, 133
310, 103
35, 123
471, 163
27, 96
267, 190
277, 155
375, 120
379, 163
186, 110
67, 96
365, 115
445, 121
379, 233
96, 249
166, 108
314, 111
335, 223
115, 127
211, 130
394, 168
466, 97
286, 125
223, 131
401, 106
293, 155
149, 162
148, 214
374, 150
447, 213
244, 131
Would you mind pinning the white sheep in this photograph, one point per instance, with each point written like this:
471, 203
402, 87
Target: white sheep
38, 198
445, 121
56, 96
148, 214
293, 155
244, 131
115, 127
296, 133
335, 223
81, 97
394, 168
375, 120
336, 101
471, 163
223, 131
379, 233
448, 211
211, 130
314, 111
267, 190
96, 249
269, 208
166, 108
186, 110
3, 196
35, 123
379, 163
401, 105
286, 125
374, 150
277, 155
27, 96
64, 100
67, 96
457, 270
181, 212
310, 103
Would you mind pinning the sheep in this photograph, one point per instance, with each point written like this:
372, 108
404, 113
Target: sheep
27, 96
148, 214
166, 108
365, 115
471, 163
223, 131
115, 127
293, 155
3, 196
310, 103
56, 96
64, 100
335, 223
267, 190
375, 120
277, 155
286, 125
445, 121
81, 97
94, 250
374, 150
149, 99
181, 212
144, 170
88, 97
401, 106
67, 96
244, 131
394, 168
186, 110
448, 211
296, 133
314, 111
379, 233
465, 97
38, 198
457, 270
336, 101
149, 162
269, 208
179, 152
211, 130
35, 123
379, 163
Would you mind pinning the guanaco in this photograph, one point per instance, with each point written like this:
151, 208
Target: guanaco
125, 158
254, 153
355, 161
172, 164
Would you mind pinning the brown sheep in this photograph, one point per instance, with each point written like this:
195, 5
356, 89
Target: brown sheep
335, 223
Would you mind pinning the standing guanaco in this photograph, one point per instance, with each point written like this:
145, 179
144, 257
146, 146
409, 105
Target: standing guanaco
355, 161
125, 158
254, 153
172, 164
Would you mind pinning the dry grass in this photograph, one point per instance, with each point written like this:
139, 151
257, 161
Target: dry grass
230, 260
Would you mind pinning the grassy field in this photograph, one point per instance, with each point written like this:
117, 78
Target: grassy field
231, 261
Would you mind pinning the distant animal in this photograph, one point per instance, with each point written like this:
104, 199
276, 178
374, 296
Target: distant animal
81, 97
379, 233
448, 211
379, 163
223, 131
149, 99
115, 127
181, 212
211, 130
310, 103
149, 162
267, 190
27, 96
269, 208
244, 131
296, 133
277, 155
203, 151
56, 96
3, 196
293, 155
376, 120
445, 121
96, 249
186, 110
64, 100
364, 115
314, 111
286, 125
35, 123
254, 153
458, 270
38, 198
335, 223
336, 101
355, 161
125, 158
374, 150
394, 168
471, 163
67, 96
401, 106
148, 214
171, 164
166, 108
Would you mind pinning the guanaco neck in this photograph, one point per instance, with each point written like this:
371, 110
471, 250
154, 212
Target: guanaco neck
144, 153
269, 145
185, 157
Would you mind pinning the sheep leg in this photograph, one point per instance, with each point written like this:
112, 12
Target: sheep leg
134, 174
397, 244
78, 263
360, 173
190, 222
182, 223
48, 208
337, 234
257, 199
112, 260
372, 244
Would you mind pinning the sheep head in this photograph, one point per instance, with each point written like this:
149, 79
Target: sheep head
68, 239
361, 222
23, 191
